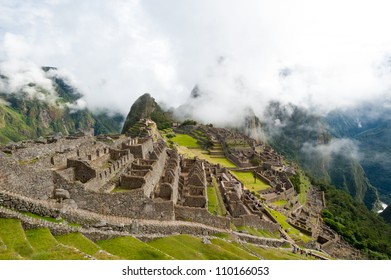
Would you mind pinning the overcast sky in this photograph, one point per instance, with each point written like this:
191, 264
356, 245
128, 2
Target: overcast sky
319, 54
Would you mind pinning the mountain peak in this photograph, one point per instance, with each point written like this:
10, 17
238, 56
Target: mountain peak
146, 107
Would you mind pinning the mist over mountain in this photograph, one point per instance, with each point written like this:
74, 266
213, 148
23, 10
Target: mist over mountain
369, 125
44, 103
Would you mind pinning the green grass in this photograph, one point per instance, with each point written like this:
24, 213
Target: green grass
185, 140
131, 248
259, 232
235, 248
276, 254
294, 233
185, 247
304, 187
46, 247
247, 178
85, 245
215, 201
49, 219
13, 236
280, 203
202, 154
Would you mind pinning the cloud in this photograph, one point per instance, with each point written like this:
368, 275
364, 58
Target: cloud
320, 55
335, 147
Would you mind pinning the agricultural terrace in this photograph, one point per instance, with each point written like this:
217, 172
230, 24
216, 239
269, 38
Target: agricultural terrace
247, 178
189, 147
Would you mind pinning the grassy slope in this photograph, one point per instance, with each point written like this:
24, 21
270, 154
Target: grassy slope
13, 236
215, 201
189, 147
132, 249
276, 254
185, 247
294, 233
47, 248
85, 245
247, 179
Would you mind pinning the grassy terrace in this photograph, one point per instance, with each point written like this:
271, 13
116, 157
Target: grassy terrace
83, 244
12, 235
189, 147
185, 140
304, 187
131, 248
247, 179
276, 254
46, 247
280, 203
40, 244
215, 200
294, 233
185, 247
259, 232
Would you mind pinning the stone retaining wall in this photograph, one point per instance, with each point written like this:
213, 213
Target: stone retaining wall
201, 215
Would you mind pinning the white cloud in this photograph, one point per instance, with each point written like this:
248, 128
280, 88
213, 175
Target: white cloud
334, 52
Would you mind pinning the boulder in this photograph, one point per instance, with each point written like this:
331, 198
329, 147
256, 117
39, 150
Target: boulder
61, 194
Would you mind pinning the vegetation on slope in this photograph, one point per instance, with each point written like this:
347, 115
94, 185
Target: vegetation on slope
305, 138
23, 116
146, 107
131, 248
362, 228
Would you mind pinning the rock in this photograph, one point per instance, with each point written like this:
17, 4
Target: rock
61, 194
101, 223
134, 228
206, 241
70, 202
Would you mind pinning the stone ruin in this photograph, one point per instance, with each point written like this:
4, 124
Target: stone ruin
115, 176
120, 176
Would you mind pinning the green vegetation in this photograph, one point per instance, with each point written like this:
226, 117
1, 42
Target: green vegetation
188, 122
194, 152
276, 254
280, 203
301, 184
293, 232
13, 236
215, 201
247, 178
304, 129
49, 219
362, 228
31, 161
146, 107
259, 232
185, 247
29, 118
185, 140
46, 247
85, 245
131, 248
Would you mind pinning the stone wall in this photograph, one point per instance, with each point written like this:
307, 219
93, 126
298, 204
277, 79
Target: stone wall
83, 171
132, 204
255, 221
142, 149
201, 215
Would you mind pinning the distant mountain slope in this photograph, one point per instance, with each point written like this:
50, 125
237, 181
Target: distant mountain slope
306, 139
370, 126
33, 111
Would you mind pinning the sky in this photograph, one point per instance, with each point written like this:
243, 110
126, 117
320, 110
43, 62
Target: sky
317, 54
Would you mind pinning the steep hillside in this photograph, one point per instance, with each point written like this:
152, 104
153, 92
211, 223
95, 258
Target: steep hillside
306, 139
369, 125
33, 111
